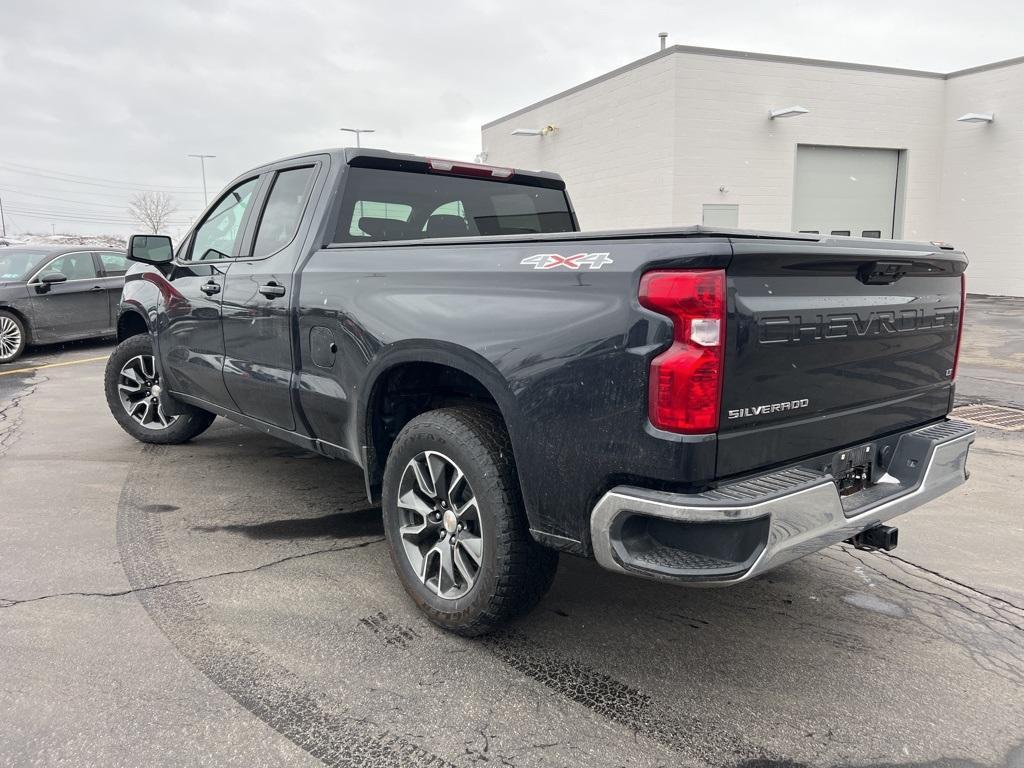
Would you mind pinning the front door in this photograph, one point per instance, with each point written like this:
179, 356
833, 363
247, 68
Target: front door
190, 338
74, 309
257, 321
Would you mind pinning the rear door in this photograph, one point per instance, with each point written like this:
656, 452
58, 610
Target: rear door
258, 293
830, 346
191, 340
113, 265
74, 309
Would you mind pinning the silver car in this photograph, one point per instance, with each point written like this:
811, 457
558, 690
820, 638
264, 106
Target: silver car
50, 295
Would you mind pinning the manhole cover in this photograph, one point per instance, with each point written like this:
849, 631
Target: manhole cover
995, 416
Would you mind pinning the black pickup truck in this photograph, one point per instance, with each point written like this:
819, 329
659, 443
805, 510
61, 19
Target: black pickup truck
685, 404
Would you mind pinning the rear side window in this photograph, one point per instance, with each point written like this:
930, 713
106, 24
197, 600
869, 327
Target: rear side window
283, 211
400, 205
114, 264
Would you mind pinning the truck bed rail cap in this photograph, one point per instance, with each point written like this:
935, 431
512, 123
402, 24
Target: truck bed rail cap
647, 233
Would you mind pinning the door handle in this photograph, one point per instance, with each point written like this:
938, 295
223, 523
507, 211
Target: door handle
272, 290
96, 288
210, 288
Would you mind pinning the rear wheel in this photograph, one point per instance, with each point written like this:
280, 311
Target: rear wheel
12, 337
132, 385
455, 523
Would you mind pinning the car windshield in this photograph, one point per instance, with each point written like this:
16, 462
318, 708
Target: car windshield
16, 264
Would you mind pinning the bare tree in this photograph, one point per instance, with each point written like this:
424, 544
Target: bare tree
152, 209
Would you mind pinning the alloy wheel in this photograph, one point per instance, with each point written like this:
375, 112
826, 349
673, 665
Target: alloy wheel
138, 387
10, 338
440, 525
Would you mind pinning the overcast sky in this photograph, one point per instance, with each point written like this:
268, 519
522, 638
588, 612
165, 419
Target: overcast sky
118, 93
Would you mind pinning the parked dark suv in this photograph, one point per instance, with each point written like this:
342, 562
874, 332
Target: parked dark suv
52, 294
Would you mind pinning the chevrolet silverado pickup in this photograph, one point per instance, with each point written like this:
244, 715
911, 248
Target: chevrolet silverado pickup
686, 404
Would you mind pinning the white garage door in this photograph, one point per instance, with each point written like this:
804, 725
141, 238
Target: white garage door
845, 190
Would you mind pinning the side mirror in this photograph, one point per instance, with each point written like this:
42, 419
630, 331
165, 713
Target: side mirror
49, 279
150, 249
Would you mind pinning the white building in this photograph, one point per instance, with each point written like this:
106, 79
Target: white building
684, 136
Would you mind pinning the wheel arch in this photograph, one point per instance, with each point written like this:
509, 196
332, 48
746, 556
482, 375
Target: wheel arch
22, 318
130, 323
423, 377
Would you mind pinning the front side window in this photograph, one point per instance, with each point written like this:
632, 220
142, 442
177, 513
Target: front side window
114, 264
283, 211
215, 238
74, 266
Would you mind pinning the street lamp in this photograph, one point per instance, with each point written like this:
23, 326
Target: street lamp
357, 131
202, 165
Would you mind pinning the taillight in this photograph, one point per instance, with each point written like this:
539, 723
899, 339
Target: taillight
685, 388
960, 325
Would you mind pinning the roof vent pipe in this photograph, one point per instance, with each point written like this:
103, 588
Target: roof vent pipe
663, 36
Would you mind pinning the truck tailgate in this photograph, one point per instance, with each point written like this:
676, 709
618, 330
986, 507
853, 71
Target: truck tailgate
829, 346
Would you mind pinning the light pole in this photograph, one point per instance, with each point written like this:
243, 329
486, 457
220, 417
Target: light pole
357, 131
202, 165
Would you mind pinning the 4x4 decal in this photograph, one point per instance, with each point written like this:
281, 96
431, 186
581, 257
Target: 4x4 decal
576, 261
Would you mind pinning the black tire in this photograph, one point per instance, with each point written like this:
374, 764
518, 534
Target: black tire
515, 571
182, 428
14, 332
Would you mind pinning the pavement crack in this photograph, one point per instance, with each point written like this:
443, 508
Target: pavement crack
968, 587
10, 602
931, 593
11, 414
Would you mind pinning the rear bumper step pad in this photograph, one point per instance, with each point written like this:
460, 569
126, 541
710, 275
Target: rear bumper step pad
741, 529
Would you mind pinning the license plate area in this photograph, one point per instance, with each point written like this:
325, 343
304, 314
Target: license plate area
853, 469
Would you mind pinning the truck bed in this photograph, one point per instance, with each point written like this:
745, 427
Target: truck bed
574, 348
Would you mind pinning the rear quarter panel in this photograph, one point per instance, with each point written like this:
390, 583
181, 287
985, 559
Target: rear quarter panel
564, 352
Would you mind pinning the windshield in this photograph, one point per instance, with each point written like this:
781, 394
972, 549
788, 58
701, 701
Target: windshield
17, 264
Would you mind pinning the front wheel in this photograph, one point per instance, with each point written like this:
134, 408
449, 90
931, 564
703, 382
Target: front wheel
12, 337
455, 523
132, 385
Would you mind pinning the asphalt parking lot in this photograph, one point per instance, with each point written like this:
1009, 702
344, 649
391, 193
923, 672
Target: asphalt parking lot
231, 602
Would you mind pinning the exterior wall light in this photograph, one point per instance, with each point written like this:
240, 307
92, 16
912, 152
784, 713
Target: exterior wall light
547, 129
794, 111
977, 117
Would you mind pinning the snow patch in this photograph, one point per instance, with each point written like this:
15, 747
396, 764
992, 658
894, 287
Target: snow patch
95, 241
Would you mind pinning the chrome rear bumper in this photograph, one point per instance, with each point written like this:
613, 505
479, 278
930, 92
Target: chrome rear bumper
753, 525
